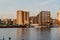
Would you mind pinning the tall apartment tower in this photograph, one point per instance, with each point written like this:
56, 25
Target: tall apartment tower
26, 17
45, 18
22, 17
58, 16
19, 17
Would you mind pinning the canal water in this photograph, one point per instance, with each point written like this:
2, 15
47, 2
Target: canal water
29, 34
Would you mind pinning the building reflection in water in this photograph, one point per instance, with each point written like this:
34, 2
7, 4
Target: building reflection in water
58, 34
55, 33
44, 33
45, 29
22, 33
30, 33
5, 33
19, 33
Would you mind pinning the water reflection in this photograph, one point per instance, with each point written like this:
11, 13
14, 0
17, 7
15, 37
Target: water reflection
8, 32
45, 34
30, 34
19, 33
55, 33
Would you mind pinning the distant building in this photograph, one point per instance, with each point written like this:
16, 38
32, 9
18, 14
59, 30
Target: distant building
0, 21
19, 17
33, 20
54, 22
7, 21
26, 17
22, 17
10, 22
44, 18
37, 18
58, 16
14, 22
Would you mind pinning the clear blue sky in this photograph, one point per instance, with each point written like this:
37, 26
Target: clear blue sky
8, 8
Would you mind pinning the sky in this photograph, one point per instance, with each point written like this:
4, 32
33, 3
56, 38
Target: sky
8, 8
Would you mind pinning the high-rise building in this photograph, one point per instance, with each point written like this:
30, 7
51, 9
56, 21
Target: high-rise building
44, 18
19, 17
26, 17
58, 16
22, 17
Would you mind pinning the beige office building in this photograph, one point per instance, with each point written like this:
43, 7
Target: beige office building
22, 17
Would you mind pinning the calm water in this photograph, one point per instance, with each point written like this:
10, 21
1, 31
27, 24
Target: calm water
29, 34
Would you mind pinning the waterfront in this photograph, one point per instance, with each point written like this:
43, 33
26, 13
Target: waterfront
30, 34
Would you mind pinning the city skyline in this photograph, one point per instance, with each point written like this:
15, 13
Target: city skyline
8, 8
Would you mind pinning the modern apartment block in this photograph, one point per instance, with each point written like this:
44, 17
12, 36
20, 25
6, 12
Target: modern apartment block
45, 18
58, 16
26, 17
22, 17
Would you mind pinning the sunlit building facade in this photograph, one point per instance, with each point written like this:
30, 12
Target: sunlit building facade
58, 16
45, 18
22, 17
26, 17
